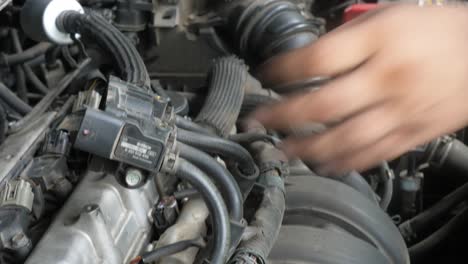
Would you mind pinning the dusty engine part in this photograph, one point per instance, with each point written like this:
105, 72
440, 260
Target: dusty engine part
122, 140
189, 225
102, 221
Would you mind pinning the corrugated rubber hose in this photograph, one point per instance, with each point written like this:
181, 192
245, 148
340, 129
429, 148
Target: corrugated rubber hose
226, 93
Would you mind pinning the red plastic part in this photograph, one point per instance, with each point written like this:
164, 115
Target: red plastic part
355, 10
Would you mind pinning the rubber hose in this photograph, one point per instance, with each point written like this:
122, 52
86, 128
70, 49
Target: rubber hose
21, 87
267, 221
387, 180
248, 138
158, 253
27, 55
36, 82
222, 147
214, 201
425, 246
225, 95
221, 175
49, 98
3, 124
93, 26
457, 156
13, 101
412, 227
191, 126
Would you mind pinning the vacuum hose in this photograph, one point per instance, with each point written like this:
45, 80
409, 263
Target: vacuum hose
226, 93
415, 226
7, 96
214, 201
228, 185
222, 147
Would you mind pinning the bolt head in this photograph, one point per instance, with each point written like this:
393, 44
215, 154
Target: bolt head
86, 132
133, 177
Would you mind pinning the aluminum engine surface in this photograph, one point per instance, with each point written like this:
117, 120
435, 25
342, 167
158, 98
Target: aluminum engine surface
102, 222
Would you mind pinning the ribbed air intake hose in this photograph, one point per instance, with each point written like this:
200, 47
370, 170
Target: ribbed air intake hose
93, 26
225, 95
262, 29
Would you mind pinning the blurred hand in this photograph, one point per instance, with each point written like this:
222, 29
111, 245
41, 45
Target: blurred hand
403, 80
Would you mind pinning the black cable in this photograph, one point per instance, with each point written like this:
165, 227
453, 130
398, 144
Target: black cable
13, 101
248, 138
34, 80
158, 253
26, 67
27, 55
416, 225
221, 176
93, 26
425, 246
21, 88
45, 103
3, 124
191, 126
214, 201
222, 147
187, 193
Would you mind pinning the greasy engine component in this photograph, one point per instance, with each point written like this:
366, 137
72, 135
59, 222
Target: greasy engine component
102, 221
16, 201
189, 225
103, 161
339, 208
134, 128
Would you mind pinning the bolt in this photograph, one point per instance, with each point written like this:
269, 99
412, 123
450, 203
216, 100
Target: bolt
19, 240
86, 132
133, 177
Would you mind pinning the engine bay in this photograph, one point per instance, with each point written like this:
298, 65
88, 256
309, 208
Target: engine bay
125, 138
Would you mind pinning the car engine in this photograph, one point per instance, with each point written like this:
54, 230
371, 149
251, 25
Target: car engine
125, 138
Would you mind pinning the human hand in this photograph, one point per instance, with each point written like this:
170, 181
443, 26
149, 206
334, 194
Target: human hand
403, 80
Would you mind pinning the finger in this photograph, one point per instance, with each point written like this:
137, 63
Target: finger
355, 134
416, 131
334, 53
334, 101
388, 148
